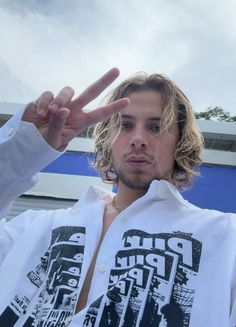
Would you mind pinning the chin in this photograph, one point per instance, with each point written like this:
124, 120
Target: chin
136, 183
137, 180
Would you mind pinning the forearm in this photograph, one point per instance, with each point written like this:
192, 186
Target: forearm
23, 153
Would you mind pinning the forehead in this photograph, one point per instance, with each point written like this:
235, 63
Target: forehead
144, 103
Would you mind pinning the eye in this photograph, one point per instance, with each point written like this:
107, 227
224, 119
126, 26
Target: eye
155, 128
126, 125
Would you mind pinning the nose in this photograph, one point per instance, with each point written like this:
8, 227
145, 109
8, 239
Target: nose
138, 139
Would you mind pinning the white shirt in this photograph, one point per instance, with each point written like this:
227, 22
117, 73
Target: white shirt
20, 143
162, 259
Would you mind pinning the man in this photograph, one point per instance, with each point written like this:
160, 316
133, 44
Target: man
142, 257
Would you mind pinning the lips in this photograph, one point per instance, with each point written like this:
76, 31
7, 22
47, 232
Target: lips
138, 161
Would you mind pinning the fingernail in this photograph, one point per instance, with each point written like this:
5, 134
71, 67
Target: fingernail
53, 107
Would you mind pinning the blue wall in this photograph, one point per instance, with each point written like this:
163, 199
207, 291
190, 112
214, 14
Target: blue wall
72, 163
214, 189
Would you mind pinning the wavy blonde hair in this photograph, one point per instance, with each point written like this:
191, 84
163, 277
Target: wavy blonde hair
176, 107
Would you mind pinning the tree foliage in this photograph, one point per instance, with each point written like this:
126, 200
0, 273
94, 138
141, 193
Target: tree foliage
216, 113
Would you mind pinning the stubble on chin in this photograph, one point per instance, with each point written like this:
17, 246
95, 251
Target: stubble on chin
136, 182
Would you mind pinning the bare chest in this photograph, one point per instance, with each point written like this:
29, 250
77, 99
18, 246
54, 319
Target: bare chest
108, 217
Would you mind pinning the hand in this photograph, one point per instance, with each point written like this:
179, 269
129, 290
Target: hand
59, 119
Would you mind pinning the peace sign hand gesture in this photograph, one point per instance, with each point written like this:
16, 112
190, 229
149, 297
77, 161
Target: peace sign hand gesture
59, 119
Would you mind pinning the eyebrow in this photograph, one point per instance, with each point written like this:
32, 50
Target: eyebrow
155, 119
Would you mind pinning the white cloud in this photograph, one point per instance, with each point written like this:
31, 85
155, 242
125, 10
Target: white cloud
48, 44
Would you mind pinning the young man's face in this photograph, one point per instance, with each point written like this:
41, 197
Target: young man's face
140, 153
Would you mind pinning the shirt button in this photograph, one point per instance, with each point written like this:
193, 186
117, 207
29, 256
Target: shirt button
10, 131
102, 267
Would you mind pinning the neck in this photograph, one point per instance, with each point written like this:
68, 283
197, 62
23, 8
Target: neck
126, 196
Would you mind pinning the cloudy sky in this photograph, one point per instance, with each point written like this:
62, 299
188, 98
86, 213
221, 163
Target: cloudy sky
46, 44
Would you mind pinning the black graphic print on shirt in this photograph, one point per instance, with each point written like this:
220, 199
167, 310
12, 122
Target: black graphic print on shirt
61, 268
152, 283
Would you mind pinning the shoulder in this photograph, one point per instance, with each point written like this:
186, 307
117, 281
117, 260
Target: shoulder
215, 219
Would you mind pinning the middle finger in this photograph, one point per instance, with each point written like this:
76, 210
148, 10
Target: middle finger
96, 88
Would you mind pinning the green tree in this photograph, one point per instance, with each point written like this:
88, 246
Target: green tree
216, 113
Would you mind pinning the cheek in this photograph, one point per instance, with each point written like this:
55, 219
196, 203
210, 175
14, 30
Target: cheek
115, 152
164, 150
119, 144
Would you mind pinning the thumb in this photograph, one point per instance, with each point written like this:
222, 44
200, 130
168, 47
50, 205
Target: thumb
55, 127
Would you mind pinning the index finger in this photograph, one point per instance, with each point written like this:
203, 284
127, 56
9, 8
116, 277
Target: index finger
106, 111
96, 88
